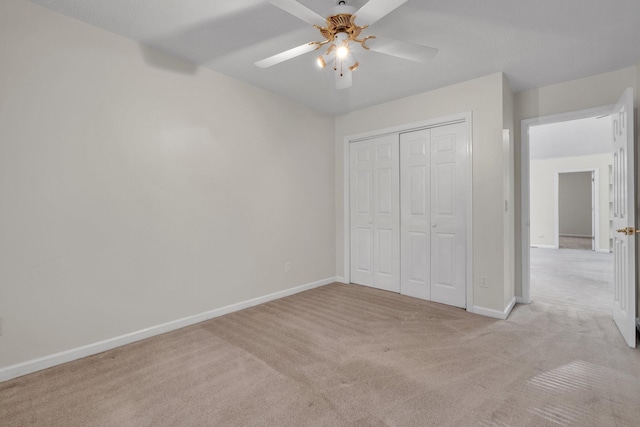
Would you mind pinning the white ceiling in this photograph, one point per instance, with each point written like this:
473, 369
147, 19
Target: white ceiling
572, 138
535, 42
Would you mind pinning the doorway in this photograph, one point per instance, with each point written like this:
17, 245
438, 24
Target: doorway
577, 209
566, 202
539, 213
619, 197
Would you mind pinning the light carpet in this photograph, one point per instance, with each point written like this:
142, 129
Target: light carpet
347, 355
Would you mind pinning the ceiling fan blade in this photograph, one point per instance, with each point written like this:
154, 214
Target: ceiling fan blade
286, 55
405, 50
376, 9
300, 11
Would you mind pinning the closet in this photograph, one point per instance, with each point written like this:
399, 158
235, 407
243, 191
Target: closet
408, 212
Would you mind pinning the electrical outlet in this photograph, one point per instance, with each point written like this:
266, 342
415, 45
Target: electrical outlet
287, 267
484, 282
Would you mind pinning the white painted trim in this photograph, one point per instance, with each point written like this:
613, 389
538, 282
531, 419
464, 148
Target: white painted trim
49, 361
342, 280
519, 300
525, 212
556, 210
604, 251
410, 127
496, 314
465, 117
544, 246
469, 213
346, 209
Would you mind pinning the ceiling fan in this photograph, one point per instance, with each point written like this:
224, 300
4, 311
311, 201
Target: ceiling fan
342, 34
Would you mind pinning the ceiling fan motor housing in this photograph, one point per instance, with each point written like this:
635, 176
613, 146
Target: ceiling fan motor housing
341, 23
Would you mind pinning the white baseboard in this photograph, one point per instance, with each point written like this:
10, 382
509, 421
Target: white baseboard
520, 300
604, 251
342, 280
544, 246
45, 362
502, 315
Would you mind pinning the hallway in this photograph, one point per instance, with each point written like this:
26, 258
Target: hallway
574, 278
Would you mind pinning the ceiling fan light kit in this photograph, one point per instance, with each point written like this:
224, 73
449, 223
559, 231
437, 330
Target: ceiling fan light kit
341, 33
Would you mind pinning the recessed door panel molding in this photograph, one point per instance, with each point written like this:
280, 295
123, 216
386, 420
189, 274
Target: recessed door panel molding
363, 182
384, 252
418, 196
363, 254
444, 260
419, 250
444, 185
384, 182
384, 151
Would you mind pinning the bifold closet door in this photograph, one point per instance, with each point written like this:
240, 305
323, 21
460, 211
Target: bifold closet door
415, 208
375, 213
433, 256
448, 213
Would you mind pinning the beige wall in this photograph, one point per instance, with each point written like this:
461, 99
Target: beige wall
483, 97
133, 195
588, 92
543, 193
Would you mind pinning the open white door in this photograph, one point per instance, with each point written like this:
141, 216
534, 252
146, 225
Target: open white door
624, 280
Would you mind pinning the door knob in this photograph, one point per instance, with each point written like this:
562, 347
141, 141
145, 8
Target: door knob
629, 231
434, 225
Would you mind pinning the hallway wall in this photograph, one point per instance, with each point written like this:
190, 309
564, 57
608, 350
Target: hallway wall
543, 196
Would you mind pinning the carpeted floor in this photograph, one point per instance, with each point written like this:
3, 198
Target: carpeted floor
346, 355
572, 278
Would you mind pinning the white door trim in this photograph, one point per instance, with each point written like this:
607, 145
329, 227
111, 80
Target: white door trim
525, 211
596, 202
440, 121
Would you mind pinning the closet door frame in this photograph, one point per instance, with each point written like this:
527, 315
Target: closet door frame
465, 118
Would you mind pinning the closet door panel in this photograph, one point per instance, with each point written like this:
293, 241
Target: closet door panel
448, 248
361, 207
415, 212
374, 187
386, 213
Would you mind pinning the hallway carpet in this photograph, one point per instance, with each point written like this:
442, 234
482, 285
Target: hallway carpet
347, 355
573, 278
